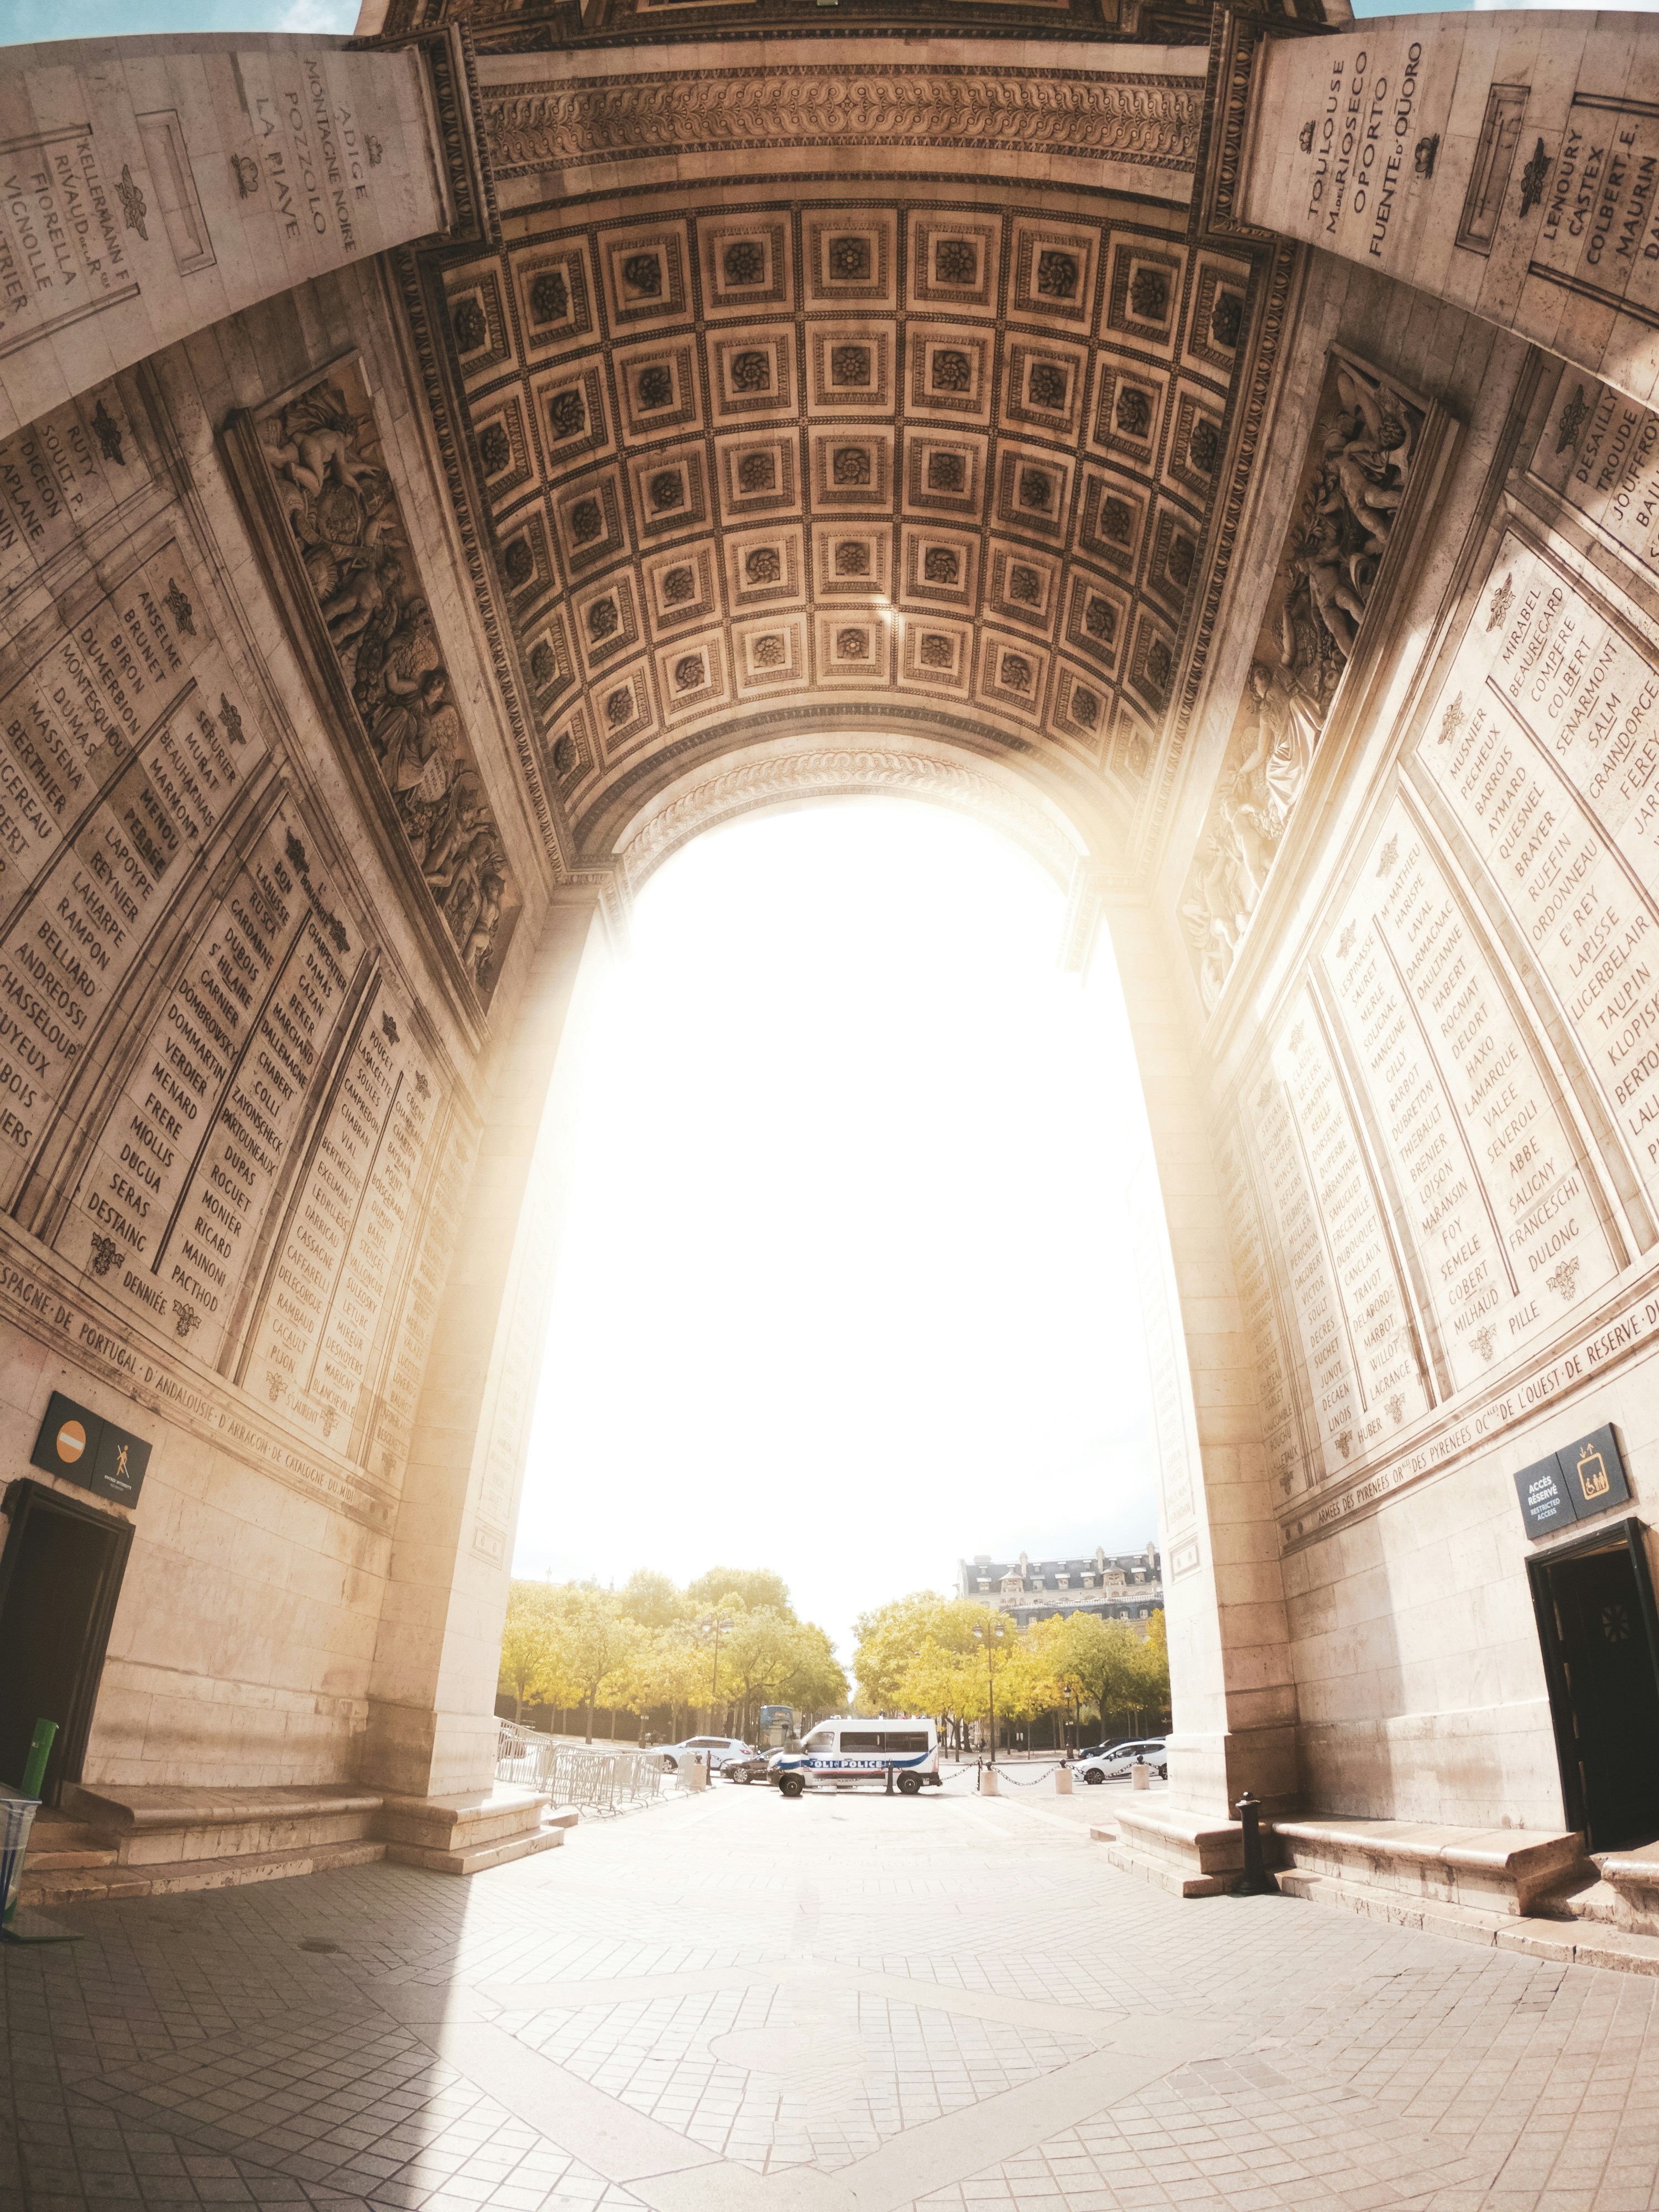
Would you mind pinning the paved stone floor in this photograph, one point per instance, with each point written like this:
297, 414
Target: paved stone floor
735, 2004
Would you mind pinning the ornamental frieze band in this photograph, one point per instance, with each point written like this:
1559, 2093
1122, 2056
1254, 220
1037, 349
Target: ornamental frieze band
1152, 119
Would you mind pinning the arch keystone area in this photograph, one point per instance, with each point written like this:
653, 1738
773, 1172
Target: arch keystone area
792, 772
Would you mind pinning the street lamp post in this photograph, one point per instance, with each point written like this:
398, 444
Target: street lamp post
990, 1635
715, 1626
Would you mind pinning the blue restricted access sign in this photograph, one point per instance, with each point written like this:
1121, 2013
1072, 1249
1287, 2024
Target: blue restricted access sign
1545, 1504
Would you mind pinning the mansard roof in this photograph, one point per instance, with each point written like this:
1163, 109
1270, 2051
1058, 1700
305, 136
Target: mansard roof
1047, 1571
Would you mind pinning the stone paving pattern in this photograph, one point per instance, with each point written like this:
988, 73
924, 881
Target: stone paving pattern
842, 2005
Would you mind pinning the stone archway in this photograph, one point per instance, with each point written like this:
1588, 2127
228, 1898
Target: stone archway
1234, 1703
581, 493
709, 410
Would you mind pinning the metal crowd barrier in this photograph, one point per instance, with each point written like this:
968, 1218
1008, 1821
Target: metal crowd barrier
595, 1780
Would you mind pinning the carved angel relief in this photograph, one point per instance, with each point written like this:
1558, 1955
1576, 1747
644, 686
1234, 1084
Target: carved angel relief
342, 512
1353, 480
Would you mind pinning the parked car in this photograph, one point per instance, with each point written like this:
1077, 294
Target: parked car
709, 1751
744, 1765
1113, 1762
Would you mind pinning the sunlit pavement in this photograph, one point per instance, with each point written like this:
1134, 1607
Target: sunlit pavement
738, 2004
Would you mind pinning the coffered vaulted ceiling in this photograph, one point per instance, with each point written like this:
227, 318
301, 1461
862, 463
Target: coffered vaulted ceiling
751, 462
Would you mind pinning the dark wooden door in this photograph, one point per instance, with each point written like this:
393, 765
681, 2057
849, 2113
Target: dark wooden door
1613, 1690
60, 1575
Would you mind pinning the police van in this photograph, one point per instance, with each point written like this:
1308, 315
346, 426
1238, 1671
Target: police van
842, 1753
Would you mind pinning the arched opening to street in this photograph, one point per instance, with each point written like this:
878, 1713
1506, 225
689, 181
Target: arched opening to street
845, 1294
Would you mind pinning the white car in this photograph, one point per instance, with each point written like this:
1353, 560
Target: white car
709, 1751
1115, 1762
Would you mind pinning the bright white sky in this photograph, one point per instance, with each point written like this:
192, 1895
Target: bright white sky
845, 1288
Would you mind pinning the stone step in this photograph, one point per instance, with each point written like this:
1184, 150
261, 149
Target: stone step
1489, 1870
164, 1878
56, 1843
480, 1859
62, 1832
1633, 1875
1586, 1896
1174, 1851
1509, 1889
1430, 1916
157, 1823
54, 1861
152, 1840
1615, 1889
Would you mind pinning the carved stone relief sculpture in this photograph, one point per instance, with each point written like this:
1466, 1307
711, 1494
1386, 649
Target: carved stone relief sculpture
533, 126
1353, 483
369, 621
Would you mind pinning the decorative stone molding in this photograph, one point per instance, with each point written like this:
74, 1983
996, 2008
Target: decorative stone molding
531, 128
832, 771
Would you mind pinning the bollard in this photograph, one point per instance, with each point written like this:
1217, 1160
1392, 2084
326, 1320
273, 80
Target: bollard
1257, 1881
987, 1782
1062, 1782
695, 1774
1140, 1775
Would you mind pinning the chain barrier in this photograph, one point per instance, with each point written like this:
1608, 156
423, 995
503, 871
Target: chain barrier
1004, 1775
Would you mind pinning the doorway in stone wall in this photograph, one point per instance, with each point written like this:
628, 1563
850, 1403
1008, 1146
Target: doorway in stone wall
60, 1575
1600, 1632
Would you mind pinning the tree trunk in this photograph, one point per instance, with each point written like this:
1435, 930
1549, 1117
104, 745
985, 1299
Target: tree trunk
590, 1720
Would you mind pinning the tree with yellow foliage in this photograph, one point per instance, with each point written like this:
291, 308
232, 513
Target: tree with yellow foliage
528, 1646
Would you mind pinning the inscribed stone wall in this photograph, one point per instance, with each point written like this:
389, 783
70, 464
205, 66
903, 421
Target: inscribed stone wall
1441, 1144
151, 186
237, 1112
1506, 161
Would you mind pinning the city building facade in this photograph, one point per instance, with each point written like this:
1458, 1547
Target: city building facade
1123, 1587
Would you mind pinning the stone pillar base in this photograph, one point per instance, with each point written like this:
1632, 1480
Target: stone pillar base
472, 1830
1187, 1857
1209, 1773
